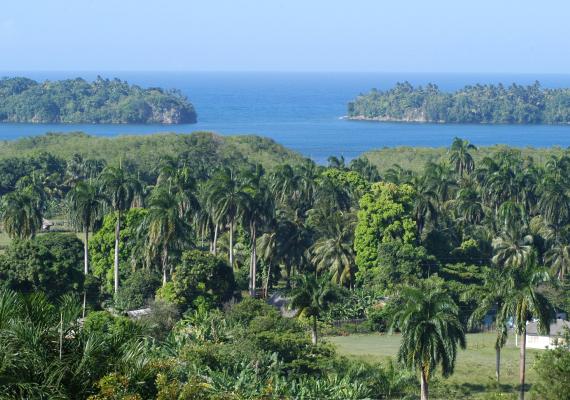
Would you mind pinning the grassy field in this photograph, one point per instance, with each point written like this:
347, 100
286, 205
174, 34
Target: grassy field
475, 368
415, 158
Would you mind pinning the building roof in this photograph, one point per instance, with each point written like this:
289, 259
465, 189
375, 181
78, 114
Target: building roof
556, 327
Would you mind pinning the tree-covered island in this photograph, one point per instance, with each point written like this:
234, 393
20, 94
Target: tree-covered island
103, 101
484, 104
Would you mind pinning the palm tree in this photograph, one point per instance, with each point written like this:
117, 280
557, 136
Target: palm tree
121, 191
229, 199
512, 248
311, 297
460, 157
85, 208
259, 212
431, 331
165, 228
333, 252
364, 167
21, 215
558, 258
522, 301
488, 297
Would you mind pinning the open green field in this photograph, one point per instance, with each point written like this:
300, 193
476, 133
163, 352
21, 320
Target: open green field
474, 371
415, 158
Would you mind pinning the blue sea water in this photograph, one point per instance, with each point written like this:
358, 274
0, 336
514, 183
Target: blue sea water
303, 110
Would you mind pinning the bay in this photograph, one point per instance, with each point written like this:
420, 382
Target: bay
304, 111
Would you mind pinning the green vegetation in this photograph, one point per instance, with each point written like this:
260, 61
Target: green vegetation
190, 236
479, 104
103, 101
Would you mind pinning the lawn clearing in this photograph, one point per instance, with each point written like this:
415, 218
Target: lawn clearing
475, 368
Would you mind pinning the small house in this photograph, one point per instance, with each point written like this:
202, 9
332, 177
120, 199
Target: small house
536, 340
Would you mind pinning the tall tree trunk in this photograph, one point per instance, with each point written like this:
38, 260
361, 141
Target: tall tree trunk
164, 264
215, 244
266, 288
424, 385
253, 263
498, 344
254, 272
85, 266
314, 337
498, 364
116, 264
232, 243
522, 363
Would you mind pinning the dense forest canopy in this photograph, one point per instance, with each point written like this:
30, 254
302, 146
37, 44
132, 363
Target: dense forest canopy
485, 104
201, 230
103, 101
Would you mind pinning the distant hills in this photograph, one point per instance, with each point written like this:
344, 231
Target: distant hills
103, 101
481, 104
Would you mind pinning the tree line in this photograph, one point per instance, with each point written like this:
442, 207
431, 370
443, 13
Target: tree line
478, 104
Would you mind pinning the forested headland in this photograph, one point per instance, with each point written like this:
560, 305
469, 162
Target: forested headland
206, 236
477, 104
103, 101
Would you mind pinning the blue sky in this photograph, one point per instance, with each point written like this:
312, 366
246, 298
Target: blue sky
293, 35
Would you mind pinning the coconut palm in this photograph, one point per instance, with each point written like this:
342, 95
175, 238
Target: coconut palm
229, 198
333, 252
513, 247
460, 156
523, 300
121, 191
431, 332
558, 258
425, 203
46, 355
165, 229
85, 206
364, 167
311, 296
21, 215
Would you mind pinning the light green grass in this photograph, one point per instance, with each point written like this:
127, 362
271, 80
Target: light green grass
475, 368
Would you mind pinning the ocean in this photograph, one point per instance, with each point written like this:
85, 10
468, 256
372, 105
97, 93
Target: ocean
303, 111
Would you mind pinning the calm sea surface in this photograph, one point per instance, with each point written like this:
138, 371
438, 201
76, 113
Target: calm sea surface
303, 110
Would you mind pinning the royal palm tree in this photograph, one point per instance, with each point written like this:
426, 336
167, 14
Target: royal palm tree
165, 229
311, 297
21, 215
121, 191
259, 212
229, 198
85, 206
460, 156
431, 332
523, 300
488, 297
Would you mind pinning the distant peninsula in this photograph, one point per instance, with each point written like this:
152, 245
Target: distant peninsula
103, 101
478, 104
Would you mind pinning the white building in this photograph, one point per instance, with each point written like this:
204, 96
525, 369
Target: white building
535, 340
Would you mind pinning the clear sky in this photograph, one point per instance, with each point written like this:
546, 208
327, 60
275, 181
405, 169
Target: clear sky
286, 35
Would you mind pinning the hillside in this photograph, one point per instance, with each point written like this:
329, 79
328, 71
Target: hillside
143, 151
102, 101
